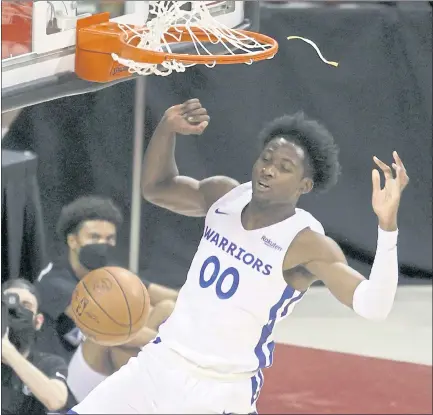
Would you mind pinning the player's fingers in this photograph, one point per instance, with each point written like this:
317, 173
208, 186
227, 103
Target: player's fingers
401, 176
194, 116
398, 161
198, 129
384, 167
375, 177
197, 119
198, 111
186, 108
191, 101
398, 171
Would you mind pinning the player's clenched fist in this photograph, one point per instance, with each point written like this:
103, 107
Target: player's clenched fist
187, 118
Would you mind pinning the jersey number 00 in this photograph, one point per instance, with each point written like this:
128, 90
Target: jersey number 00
219, 278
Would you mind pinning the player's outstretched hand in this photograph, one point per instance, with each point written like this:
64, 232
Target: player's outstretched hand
386, 200
187, 118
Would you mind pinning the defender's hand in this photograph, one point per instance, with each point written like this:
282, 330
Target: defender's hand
187, 118
386, 200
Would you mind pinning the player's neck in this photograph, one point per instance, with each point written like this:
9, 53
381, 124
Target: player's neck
258, 211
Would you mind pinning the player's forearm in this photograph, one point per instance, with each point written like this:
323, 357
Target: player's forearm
159, 162
50, 392
144, 336
374, 298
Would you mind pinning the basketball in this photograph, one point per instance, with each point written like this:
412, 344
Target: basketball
110, 305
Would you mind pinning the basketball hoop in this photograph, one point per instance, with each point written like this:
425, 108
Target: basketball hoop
107, 51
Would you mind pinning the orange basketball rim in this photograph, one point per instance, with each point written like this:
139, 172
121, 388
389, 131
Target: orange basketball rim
98, 39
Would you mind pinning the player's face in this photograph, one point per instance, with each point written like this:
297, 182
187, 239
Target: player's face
278, 174
97, 232
93, 243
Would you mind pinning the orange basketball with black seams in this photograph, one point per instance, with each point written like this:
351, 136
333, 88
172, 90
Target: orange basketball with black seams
110, 305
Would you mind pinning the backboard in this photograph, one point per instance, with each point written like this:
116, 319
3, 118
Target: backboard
38, 43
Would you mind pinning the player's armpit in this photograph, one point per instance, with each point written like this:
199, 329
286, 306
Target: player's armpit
188, 196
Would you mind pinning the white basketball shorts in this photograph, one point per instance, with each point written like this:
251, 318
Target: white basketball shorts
160, 381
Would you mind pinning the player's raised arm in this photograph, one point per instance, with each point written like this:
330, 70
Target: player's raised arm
161, 183
370, 298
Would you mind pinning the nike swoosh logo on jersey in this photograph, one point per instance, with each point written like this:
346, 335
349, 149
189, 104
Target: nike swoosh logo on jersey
217, 211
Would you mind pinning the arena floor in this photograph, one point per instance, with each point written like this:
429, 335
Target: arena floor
342, 364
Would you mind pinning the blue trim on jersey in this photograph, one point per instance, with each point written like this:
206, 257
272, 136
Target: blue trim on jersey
271, 345
256, 386
267, 329
71, 412
156, 340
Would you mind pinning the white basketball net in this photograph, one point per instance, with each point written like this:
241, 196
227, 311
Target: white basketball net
169, 14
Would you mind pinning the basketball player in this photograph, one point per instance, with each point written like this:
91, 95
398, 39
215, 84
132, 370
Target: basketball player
88, 226
257, 258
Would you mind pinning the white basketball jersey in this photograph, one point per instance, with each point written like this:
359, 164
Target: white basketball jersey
235, 291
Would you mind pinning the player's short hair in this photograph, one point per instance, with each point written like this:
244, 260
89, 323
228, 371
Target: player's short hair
87, 208
317, 142
23, 284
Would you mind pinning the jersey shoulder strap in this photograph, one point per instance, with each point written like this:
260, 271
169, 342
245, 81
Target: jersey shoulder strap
234, 194
310, 221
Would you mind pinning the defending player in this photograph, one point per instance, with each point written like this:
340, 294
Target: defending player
258, 256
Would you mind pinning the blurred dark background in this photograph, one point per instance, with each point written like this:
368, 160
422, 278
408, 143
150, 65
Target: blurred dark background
378, 100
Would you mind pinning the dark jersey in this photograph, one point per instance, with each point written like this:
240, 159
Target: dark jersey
59, 334
17, 398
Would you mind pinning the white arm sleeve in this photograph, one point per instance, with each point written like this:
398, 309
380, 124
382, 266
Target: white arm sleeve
373, 298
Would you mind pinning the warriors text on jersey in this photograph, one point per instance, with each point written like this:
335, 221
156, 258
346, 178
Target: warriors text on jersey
235, 292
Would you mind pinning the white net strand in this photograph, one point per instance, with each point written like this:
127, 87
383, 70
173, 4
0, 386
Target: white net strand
169, 15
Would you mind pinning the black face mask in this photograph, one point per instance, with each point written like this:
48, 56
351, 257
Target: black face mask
21, 324
94, 256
